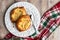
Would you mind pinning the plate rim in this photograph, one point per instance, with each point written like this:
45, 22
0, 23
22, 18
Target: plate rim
10, 6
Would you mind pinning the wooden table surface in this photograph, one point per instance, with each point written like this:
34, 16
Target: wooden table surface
42, 5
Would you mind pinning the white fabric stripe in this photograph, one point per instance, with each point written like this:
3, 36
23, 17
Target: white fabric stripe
44, 20
54, 26
58, 17
44, 38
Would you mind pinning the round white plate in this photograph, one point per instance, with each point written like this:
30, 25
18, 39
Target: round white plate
31, 10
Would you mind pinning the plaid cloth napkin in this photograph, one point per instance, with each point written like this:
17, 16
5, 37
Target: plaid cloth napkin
49, 15
49, 22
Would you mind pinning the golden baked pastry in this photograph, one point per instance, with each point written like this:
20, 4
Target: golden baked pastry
23, 23
16, 13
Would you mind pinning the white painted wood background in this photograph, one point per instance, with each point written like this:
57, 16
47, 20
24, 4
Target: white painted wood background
42, 5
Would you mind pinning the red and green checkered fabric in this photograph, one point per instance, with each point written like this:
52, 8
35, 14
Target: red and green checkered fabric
49, 22
51, 14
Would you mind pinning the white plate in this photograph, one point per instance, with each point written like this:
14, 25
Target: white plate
32, 10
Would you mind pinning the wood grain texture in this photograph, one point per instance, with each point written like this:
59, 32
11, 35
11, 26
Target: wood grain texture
3, 6
42, 5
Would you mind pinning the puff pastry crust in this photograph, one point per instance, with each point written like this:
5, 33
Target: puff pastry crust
23, 23
16, 13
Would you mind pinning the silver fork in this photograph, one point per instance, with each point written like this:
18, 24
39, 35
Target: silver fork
33, 25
